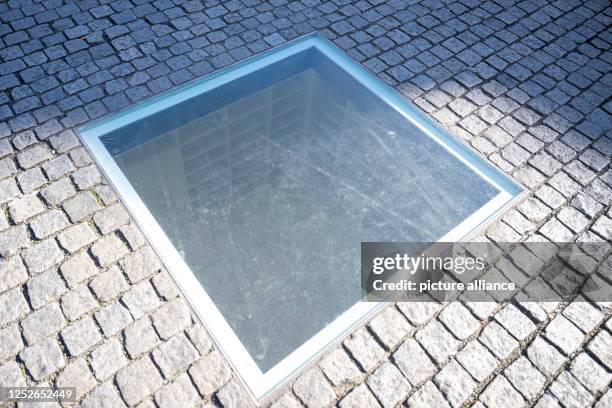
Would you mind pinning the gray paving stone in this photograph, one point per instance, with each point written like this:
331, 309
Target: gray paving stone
590, 373
43, 358
8, 191
415, 365
76, 237
80, 336
58, 191
286, 401
210, 373
174, 355
113, 318
24, 208
137, 380
34, 155
141, 299
10, 342
364, 349
498, 340
140, 337
107, 359
544, 356
77, 302
46, 287
31, 180
78, 375
179, 393
11, 375
111, 218
171, 318
108, 250
459, 320
48, 223
41, 257
360, 396
12, 240
13, 273
339, 368
109, 284
600, 347
586, 205
519, 325
140, 264
165, 286
555, 231
103, 395
78, 268
232, 395
418, 313
500, 392
86, 177
455, 383
58, 167
525, 377
563, 334
390, 327
12, 306
570, 392
437, 341
477, 360
388, 385
80, 206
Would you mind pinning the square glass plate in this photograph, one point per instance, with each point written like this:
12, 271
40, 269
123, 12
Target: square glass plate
256, 185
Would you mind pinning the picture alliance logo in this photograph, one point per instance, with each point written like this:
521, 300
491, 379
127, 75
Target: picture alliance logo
411, 264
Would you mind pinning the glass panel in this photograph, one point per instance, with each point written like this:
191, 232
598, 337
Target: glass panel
268, 184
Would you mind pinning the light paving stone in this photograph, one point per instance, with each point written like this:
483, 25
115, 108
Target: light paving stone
498, 340
544, 356
174, 355
501, 393
572, 219
104, 395
419, 313
43, 323
437, 341
25, 208
140, 264
11, 375
519, 325
107, 359
108, 250
501, 232
586, 205
78, 268
42, 256
562, 333
12, 240
339, 368
58, 191
80, 336
200, 339
43, 358
58, 167
48, 223
76, 237
77, 302
106, 194
286, 401
570, 392
232, 395
477, 360
359, 397
210, 373
80, 206
8, 190
364, 349
109, 284
603, 226
165, 286
10, 342
132, 235
141, 299
591, 374
556, 232
31, 180
179, 393
459, 320
113, 318
64, 141
455, 383
313, 390
86, 177
605, 400
13, 273
4, 224
525, 377
138, 380
388, 385
601, 347
428, 396
78, 375
390, 327
583, 314
111, 218
140, 337
12, 306
413, 362
171, 318
33, 156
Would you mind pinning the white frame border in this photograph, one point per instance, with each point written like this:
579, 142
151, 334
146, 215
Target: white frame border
262, 386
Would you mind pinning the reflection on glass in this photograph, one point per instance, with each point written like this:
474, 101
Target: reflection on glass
267, 186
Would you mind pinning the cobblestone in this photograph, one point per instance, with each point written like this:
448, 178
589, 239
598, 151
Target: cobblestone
43, 358
78, 375
455, 383
77, 302
48, 223
113, 318
137, 380
80, 336
78, 268
107, 359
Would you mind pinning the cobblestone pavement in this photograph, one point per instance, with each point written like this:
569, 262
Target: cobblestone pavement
84, 302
